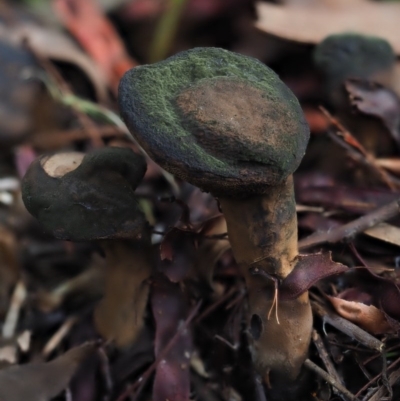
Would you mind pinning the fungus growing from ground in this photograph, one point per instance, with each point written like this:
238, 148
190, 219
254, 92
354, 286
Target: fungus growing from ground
90, 197
347, 56
227, 123
353, 55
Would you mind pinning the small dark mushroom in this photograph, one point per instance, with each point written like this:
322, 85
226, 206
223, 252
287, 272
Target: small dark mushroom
353, 55
228, 124
91, 197
346, 56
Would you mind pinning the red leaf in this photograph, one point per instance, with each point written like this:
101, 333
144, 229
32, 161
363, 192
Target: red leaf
96, 34
172, 379
308, 271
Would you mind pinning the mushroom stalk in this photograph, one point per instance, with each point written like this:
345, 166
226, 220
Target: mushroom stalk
91, 197
263, 233
263, 229
227, 124
119, 315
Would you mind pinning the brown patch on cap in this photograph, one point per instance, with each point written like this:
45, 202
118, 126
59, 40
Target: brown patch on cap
229, 109
58, 165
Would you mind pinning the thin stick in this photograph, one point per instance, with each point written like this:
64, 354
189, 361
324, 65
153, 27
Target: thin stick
330, 379
373, 357
106, 372
326, 359
374, 379
58, 336
350, 142
17, 300
394, 378
348, 328
349, 230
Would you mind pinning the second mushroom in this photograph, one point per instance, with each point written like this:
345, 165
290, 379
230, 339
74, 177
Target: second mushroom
91, 197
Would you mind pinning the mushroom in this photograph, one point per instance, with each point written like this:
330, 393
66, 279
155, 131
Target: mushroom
90, 197
353, 55
347, 56
227, 124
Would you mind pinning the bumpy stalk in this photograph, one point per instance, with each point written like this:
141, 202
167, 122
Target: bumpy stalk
263, 234
120, 314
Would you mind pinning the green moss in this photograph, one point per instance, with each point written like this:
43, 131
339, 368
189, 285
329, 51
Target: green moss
147, 101
94, 201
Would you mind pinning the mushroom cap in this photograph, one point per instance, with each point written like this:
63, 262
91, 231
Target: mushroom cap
219, 120
352, 55
82, 197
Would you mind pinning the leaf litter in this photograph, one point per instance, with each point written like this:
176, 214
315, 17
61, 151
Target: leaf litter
194, 344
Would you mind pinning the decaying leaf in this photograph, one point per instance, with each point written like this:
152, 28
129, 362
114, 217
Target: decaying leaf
309, 270
351, 199
391, 164
55, 45
41, 381
367, 317
172, 379
385, 232
86, 21
376, 100
385, 293
313, 20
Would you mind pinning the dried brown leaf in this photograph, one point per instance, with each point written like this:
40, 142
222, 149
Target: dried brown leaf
309, 270
55, 45
41, 381
385, 232
312, 21
367, 317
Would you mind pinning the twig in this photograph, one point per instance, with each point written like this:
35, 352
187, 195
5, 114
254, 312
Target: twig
373, 357
106, 373
349, 142
142, 380
17, 300
394, 378
68, 394
326, 359
348, 328
374, 379
349, 230
330, 379
233, 347
260, 393
58, 336
59, 139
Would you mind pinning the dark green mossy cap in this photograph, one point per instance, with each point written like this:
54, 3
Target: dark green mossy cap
352, 55
219, 120
82, 197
